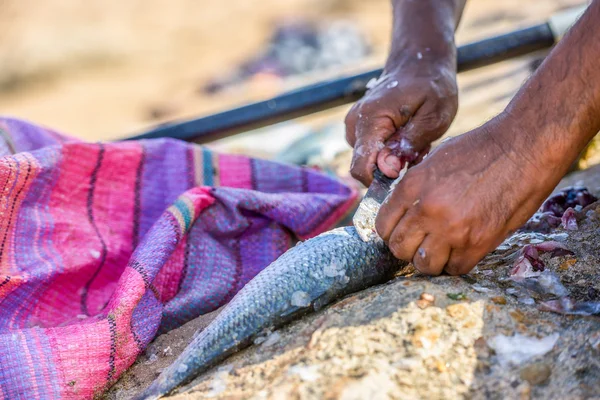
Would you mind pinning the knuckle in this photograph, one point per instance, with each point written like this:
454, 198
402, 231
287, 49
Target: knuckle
405, 111
395, 245
351, 116
399, 249
442, 124
433, 207
426, 268
434, 123
349, 119
356, 171
455, 223
398, 253
457, 266
381, 228
364, 106
453, 270
350, 136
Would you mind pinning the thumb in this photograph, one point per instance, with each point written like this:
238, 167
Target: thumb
397, 153
427, 125
371, 134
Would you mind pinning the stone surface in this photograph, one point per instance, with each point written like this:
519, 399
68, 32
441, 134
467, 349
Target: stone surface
536, 373
408, 339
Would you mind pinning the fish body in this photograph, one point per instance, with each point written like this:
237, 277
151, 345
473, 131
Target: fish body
306, 277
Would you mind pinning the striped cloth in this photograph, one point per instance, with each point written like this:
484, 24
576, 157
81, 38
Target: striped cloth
103, 246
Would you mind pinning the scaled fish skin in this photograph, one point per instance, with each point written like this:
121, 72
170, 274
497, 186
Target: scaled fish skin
309, 275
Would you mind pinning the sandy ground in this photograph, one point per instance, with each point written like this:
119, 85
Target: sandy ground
100, 69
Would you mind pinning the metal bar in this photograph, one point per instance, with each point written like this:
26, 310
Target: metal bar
333, 93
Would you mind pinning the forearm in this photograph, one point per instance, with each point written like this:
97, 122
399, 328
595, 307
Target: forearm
424, 29
559, 106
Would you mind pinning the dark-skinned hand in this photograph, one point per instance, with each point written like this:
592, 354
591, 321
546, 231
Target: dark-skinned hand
463, 199
416, 101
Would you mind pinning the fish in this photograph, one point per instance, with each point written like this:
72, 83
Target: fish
305, 278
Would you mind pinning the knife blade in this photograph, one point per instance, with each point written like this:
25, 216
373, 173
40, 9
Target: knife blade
364, 218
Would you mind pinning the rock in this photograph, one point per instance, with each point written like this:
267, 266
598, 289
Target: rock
427, 297
425, 300
423, 303
498, 300
381, 342
594, 341
376, 386
458, 311
536, 373
516, 349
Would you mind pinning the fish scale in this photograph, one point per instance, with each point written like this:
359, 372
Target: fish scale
266, 301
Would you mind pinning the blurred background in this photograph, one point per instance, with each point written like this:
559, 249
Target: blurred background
106, 69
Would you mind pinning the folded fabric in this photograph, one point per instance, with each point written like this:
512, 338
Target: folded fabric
103, 246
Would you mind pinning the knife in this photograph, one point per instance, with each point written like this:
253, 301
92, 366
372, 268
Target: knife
364, 218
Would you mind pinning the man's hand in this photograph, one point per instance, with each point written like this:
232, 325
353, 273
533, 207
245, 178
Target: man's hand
416, 97
463, 199
449, 211
416, 100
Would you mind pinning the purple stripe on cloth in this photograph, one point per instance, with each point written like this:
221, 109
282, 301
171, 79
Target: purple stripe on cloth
163, 179
145, 318
193, 251
27, 137
35, 224
16, 360
45, 373
208, 275
270, 177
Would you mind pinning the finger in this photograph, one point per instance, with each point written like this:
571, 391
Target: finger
463, 261
350, 122
368, 146
394, 207
421, 155
391, 165
388, 163
407, 235
387, 219
374, 126
363, 161
428, 124
432, 255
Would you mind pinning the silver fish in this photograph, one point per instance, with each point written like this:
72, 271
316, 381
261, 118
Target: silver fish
306, 277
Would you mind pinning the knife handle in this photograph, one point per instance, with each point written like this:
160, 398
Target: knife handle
380, 187
380, 177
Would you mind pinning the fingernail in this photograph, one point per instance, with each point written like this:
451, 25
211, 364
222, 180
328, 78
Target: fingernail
393, 144
422, 253
393, 162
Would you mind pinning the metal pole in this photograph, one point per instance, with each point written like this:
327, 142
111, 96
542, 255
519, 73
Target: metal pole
333, 93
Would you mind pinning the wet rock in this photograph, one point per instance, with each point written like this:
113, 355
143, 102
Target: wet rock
425, 300
410, 339
536, 373
518, 348
498, 300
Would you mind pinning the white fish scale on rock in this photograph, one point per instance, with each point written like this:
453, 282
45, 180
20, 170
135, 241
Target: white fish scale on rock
266, 301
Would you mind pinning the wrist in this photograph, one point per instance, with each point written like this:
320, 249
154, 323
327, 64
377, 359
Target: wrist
533, 145
424, 30
557, 111
423, 60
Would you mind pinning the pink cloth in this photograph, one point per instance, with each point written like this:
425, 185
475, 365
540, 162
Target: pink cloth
102, 246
